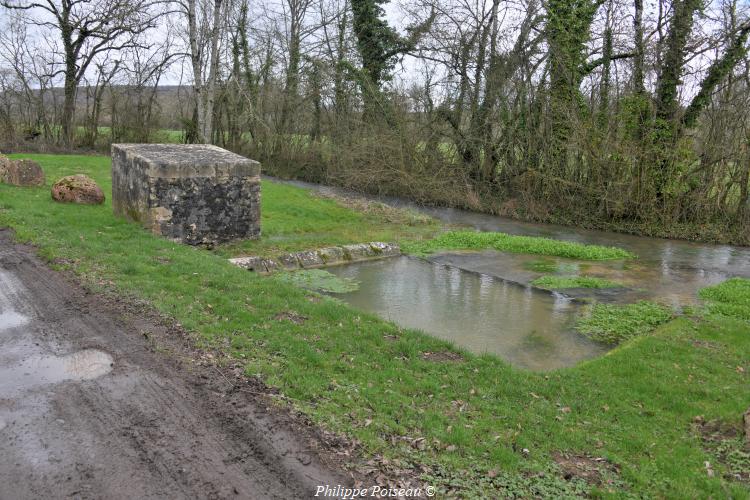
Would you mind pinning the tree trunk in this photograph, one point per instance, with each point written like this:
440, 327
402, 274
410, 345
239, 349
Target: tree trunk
638, 60
70, 87
213, 71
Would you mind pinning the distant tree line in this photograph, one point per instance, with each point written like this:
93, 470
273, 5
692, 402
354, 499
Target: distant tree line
624, 114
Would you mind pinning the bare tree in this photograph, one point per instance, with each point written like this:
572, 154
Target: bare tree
87, 29
206, 25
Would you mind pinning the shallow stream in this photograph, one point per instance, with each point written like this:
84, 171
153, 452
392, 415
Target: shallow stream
482, 300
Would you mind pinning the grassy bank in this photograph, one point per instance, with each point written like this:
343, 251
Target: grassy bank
477, 425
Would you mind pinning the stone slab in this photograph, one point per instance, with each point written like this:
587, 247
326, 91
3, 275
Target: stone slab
323, 257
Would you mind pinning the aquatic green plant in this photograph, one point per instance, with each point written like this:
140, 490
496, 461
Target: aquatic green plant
613, 324
555, 282
730, 298
541, 266
320, 280
470, 240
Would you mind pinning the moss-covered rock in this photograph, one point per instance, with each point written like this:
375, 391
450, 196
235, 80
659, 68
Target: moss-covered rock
21, 172
78, 189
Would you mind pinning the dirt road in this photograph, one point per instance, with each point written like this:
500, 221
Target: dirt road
90, 409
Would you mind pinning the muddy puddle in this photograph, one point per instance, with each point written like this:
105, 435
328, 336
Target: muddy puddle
38, 370
527, 327
11, 319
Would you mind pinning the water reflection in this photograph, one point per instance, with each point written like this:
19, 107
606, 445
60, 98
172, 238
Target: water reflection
527, 328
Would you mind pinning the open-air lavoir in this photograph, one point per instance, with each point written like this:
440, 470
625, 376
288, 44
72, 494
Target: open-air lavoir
372, 249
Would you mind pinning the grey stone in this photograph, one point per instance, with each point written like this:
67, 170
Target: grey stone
385, 249
359, 251
190, 193
289, 261
331, 255
270, 265
319, 258
309, 259
249, 263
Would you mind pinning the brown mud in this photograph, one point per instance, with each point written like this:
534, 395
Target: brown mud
106, 400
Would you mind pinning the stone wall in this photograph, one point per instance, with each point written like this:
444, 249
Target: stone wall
310, 259
197, 194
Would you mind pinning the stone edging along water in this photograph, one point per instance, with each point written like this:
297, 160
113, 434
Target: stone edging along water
309, 259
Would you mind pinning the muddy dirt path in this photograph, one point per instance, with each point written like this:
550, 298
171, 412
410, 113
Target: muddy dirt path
90, 408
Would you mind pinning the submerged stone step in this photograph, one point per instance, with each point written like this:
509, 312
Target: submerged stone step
310, 259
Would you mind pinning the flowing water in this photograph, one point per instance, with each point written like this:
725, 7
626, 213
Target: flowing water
483, 302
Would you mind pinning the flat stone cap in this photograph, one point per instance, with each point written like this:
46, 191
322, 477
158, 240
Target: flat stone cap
187, 160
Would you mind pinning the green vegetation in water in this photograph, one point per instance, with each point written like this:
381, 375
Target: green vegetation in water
470, 240
552, 267
730, 298
466, 423
555, 282
613, 324
319, 280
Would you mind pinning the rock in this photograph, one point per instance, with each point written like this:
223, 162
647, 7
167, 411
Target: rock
4, 166
21, 172
309, 259
270, 265
249, 263
358, 251
331, 255
289, 261
78, 189
385, 249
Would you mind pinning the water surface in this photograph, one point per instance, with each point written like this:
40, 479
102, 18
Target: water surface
527, 327
482, 301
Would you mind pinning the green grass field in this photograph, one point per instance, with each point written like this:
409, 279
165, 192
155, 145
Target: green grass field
480, 427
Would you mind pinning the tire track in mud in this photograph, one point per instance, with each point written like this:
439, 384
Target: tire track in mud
156, 426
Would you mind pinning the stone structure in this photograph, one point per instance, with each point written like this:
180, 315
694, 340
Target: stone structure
197, 194
310, 259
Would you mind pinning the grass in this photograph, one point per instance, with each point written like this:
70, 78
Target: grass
551, 267
466, 422
469, 240
614, 324
731, 298
294, 219
557, 282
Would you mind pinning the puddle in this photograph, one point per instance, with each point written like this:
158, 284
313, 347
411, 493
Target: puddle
11, 319
526, 327
44, 370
